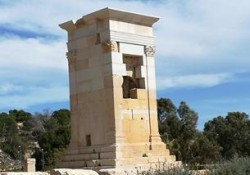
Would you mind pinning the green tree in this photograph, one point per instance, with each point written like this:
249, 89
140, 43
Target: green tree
55, 138
188, 131
204, 151
169, 125
232, 133
177, 127
62, 116
20, 115
169, 122
10, 140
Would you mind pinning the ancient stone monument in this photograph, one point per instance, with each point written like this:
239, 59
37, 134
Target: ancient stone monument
30, 165
113, 92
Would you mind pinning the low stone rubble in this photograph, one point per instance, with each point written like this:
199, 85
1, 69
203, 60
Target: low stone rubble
24, 173
62, 171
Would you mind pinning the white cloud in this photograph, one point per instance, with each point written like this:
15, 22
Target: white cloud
197, 80
8, 88
203, 28
32, 72
34, 96
45, 15
32, 53
199, 44
202, 37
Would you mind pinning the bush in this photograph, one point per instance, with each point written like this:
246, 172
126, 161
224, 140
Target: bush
237, 166
171, 171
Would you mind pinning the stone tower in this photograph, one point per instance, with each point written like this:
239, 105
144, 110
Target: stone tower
113, 92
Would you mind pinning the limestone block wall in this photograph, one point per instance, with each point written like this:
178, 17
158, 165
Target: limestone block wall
30, 165
113, 91
91, 99
96, 66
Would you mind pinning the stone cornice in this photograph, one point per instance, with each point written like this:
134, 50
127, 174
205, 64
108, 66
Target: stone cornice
69, 26
119, 15
110, 14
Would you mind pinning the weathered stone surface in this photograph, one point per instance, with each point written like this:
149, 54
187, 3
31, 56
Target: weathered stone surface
121, 171
200, 172
30, 165
24, 173
148, 168
72, 172
113, 93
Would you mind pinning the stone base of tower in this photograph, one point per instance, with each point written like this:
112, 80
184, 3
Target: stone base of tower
88, 157
110, 159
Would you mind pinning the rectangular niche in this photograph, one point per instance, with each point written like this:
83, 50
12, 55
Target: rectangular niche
88, 140
134, 78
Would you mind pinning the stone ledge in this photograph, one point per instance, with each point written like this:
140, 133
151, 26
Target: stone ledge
24, 173
72, 172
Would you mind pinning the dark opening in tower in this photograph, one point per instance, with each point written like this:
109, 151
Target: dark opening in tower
134, 78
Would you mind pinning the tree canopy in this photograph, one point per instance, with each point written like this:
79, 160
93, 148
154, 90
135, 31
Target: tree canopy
20, 132
231, 132
45, 135
222, 138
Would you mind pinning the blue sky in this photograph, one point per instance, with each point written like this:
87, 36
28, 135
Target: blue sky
203, 54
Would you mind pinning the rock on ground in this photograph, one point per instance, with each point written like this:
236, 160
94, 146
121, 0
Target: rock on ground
72, 172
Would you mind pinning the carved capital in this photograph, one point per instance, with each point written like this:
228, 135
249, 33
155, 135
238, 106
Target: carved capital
110, 46
71, 55
149, 51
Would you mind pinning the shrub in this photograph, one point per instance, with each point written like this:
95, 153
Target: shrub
171, 171
236, 166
